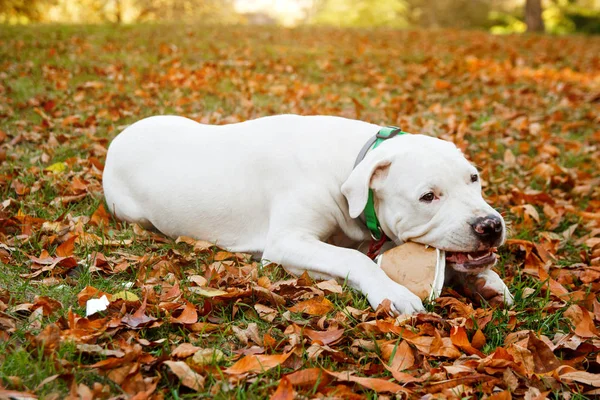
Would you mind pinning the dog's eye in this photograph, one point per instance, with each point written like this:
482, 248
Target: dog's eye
474, 178
427, 197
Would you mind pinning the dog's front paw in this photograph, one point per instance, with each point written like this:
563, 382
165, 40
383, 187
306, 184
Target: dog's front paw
403, 301
488, 286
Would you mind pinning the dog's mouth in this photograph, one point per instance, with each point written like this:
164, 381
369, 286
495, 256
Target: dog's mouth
471, 261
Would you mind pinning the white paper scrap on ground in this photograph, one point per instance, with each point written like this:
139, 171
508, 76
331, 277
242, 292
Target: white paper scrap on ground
95, 305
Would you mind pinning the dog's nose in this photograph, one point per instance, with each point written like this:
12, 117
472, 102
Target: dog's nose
488, 229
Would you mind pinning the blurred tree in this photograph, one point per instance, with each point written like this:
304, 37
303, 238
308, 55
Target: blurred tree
126, 11
450, 13
533, 16
21, 10
360, 13
402, 13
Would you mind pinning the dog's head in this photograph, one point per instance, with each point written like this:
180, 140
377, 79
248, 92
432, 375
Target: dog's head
425, 191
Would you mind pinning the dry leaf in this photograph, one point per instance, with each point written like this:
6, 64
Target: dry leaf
315, 306
257, 363
188, 377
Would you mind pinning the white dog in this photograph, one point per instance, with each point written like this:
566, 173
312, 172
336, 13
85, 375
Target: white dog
285, 187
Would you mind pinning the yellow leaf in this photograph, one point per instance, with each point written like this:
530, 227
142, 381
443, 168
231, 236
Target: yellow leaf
206, 357
57, 167
125, 295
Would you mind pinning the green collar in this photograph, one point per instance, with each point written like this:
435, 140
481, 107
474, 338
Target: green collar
370, 216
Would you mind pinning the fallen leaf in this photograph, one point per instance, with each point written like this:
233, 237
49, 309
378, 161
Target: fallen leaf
400, 356
188, 377
315, 306
67, 247
324, 337
57, 167
125, 295
257, 363
581, 319
265, 313
184, 350
206, 357
544, 359
207, 291
331, 286
188, 315
377, 384
284, 391
459, 338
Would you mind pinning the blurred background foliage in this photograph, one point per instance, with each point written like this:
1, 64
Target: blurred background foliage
498, 16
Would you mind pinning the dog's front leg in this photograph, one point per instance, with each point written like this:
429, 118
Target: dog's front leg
485, 286
298, 253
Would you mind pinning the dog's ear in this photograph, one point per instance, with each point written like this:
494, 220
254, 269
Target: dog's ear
367, 174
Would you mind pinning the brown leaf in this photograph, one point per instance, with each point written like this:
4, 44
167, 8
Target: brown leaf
265, 313
400, 357
543, 358
48, 305
315, 306
571, 374
377, 384
257, 363
284, 391
308, 377
15, 394
188, 377
522, 356
331, 286
184, 350
324, 337
139, 318
582, 320
504, 395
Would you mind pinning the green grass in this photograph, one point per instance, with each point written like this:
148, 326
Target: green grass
224, 74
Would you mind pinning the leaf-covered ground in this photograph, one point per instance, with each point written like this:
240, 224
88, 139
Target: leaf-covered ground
188, 320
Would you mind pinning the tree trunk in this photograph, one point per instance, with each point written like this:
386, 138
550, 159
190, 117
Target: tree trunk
533, 16
118, 12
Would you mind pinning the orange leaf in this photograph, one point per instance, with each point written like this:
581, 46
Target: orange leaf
90, 292
459, 338
308, 377
189, 315
504, 395
284, 391
443, 347
100, 216
376, 384
478, 340
257, 363
67, 247
400, 357
315, 306
441, 85
581, 319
